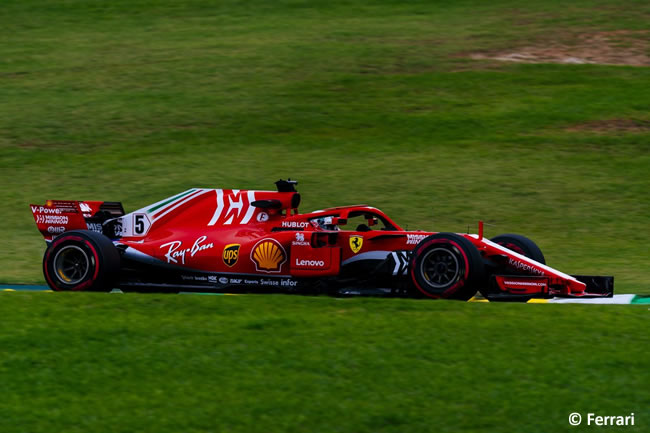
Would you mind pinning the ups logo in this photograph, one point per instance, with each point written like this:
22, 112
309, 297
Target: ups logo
230, 254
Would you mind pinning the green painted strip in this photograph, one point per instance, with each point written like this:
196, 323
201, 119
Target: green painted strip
641, 300
158, 206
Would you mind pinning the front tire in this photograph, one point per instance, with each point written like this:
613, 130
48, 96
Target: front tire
522, 245
81, 260
446, 265
519, 244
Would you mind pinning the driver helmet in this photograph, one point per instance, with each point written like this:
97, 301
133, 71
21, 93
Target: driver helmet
325, 223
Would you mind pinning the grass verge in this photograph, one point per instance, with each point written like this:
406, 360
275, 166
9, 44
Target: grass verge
97, 362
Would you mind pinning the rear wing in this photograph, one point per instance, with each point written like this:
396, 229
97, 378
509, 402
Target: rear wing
59, 216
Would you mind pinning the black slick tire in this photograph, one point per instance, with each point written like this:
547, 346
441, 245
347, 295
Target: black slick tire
446, 265
522, 245
81, 260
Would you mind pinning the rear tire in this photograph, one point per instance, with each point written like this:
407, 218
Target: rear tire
446, 265
81, 260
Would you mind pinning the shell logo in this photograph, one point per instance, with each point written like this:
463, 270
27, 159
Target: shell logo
268, 256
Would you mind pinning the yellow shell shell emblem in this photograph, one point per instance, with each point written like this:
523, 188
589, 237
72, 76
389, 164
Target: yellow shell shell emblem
356, 242
268, 255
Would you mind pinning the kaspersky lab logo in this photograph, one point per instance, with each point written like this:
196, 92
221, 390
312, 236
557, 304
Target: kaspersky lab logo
230, 254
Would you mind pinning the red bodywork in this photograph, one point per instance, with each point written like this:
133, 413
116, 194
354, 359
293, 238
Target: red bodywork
227, 232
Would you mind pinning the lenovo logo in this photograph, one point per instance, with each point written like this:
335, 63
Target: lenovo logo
311, 263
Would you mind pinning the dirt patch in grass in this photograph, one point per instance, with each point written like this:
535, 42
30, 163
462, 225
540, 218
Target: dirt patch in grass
620, 47
612, 125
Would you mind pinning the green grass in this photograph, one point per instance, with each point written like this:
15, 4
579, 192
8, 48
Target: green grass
135, 101
96, 362
372, 102
375, 103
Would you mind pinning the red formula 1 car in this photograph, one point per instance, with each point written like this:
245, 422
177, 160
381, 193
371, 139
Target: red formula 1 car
229, 240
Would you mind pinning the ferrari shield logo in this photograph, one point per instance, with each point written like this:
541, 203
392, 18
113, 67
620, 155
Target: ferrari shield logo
356, 242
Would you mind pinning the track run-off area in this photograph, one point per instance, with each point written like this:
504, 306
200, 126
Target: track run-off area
623, 299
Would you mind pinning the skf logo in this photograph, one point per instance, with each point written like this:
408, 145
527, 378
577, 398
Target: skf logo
230, 254
356, 242
268, 256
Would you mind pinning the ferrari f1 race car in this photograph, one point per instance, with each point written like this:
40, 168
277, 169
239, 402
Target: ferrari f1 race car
230, 240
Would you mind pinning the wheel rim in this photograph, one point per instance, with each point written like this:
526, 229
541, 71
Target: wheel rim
440, 268
71, 264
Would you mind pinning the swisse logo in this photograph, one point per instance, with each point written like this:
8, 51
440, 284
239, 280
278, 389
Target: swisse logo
414, 239
264, 282
46, 210
295, 224
312, 263
520, 266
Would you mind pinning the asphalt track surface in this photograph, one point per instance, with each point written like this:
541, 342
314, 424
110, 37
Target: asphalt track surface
30, 288
625, 299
